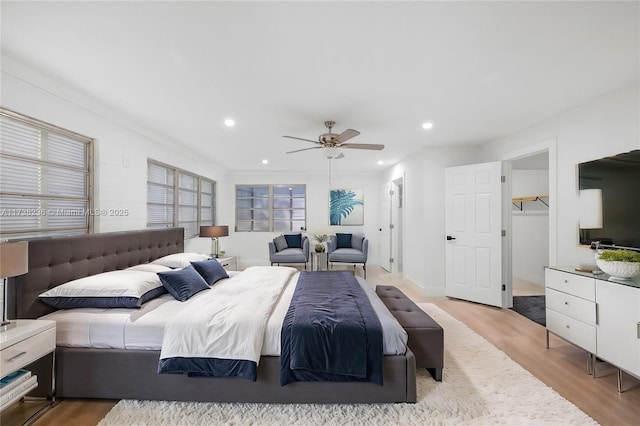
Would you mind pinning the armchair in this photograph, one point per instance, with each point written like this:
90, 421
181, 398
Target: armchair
289, 248
348, 248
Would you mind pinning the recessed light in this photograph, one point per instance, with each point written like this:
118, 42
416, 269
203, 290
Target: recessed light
265, 161
380, 162
427, 125
229, 122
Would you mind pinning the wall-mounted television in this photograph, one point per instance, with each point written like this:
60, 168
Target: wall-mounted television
618, 177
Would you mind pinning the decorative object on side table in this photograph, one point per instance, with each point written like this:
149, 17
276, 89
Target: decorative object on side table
620, 264
320, 238
214, 232
14, 261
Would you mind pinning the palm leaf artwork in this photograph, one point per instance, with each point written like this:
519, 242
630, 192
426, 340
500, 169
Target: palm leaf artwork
342, 202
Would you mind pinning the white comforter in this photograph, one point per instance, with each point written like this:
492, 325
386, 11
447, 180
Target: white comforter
144, 328
230, 322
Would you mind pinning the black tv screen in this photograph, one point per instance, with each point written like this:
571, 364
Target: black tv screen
619, 179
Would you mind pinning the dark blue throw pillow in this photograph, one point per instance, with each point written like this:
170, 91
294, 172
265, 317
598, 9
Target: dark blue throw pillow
183, 283
343, 240
211, 270
293, 240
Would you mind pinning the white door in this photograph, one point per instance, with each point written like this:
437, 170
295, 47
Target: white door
473, 206
385, 226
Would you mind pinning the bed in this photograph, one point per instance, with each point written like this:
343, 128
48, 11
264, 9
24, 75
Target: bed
113, 373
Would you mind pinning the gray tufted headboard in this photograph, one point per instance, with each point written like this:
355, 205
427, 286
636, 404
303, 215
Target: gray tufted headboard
56, 260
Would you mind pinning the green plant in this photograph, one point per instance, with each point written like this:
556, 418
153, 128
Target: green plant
321, 238
619, 256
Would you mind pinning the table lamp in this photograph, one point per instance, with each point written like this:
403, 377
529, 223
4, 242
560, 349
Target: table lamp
14, 261
214, 232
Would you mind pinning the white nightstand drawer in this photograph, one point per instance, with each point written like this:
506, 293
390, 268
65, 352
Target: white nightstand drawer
229, 263
572, 330
575, 307
577, 285
26, 351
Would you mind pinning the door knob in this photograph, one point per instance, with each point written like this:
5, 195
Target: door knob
449, 238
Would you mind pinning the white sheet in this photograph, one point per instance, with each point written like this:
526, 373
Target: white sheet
143, 328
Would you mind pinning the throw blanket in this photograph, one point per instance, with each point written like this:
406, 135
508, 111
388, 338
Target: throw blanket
331, 332
221, 333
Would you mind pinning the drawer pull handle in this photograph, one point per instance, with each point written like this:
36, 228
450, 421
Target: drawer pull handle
639, 330
566, 303
13, 358
567, 326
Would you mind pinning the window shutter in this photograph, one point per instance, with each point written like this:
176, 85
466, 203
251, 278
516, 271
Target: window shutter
44, 178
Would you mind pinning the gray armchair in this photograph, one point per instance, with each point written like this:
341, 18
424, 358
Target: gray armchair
289, 248
348, 248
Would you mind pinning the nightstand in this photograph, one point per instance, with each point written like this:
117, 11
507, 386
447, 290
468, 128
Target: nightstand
21, 345
230, 263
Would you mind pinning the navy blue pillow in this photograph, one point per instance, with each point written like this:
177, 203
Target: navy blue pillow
183, 283
211, 270
344, 240
293, 240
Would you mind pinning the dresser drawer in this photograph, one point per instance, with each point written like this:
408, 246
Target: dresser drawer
572, 330
26, 351
571, 306
566, 282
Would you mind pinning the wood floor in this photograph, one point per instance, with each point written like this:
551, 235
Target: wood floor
562, 367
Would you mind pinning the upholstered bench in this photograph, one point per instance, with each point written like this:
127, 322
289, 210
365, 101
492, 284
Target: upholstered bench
426, 337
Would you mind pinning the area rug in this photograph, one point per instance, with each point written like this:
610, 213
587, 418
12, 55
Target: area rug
532, 307
481, 386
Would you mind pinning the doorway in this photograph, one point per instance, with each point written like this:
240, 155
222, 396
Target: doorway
529, 223
392, 226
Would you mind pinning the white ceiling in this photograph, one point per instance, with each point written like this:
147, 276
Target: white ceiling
477, 70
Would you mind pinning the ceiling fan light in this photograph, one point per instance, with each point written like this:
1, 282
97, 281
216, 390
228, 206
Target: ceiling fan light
330, 152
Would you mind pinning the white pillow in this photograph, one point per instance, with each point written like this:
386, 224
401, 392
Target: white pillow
148, 267
180, 260
114, 289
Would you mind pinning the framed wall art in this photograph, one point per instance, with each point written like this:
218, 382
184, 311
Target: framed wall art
346, 207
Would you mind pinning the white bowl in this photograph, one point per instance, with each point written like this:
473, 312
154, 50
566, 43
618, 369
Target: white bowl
623, 270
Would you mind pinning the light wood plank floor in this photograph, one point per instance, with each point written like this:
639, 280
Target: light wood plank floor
562, 367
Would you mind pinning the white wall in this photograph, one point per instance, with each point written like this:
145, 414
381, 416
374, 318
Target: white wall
530, 227
252, 247
424, 222
121, 147
604, 126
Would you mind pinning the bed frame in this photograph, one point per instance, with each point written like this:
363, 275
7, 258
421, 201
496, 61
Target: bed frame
132, 374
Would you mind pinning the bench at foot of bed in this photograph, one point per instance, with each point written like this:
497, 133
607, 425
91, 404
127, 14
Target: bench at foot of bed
426, 337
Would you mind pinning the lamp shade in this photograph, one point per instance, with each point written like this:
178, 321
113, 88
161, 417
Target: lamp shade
214, 231
14, 259
590, 208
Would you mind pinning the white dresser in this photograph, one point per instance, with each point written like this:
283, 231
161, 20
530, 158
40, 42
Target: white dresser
600, 315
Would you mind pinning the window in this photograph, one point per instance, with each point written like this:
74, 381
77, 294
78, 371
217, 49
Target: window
265, 208
46, 179
176, 197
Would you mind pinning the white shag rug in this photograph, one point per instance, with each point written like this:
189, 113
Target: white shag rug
481, 386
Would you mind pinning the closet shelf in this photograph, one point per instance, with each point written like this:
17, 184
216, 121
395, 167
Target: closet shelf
519, 201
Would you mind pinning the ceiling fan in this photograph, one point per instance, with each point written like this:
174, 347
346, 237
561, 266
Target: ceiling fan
331, 142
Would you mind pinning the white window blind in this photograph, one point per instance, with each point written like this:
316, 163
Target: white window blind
45, 178
265, 208
176, 197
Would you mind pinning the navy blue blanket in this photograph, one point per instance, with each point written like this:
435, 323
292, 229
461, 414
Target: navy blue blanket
331, 332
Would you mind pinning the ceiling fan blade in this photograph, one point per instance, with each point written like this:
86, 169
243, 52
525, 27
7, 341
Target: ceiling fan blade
346, 135
375, 147
303, 149
302, 139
